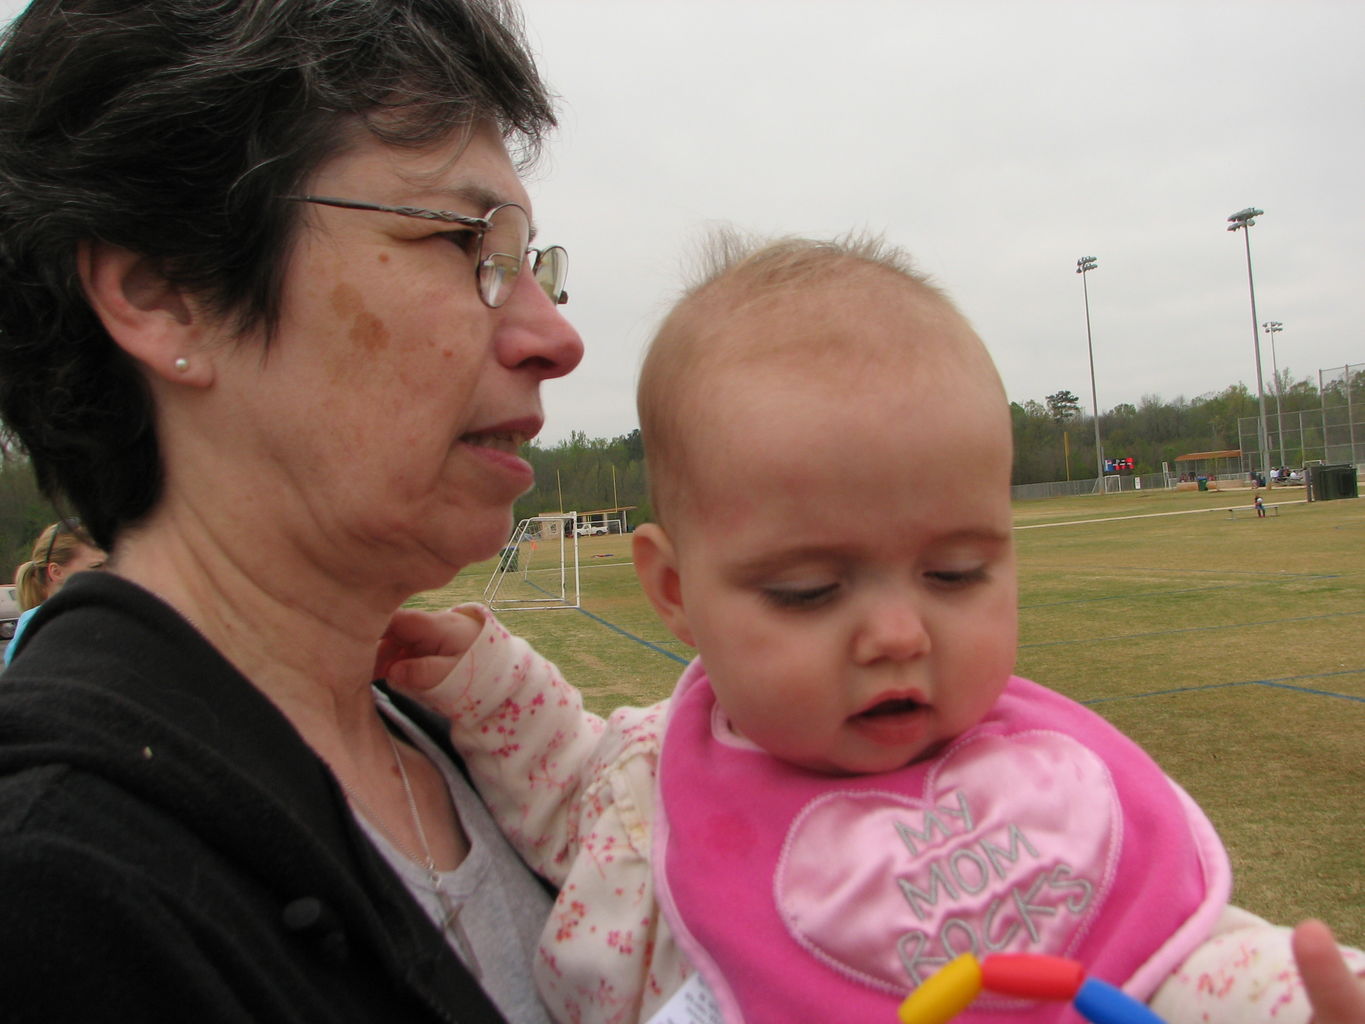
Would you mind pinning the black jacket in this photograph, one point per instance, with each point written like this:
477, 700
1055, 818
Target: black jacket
171, 849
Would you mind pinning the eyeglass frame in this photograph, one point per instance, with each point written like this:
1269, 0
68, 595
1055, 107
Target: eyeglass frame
481, 225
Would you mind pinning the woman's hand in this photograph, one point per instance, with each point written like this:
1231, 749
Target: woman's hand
1337, 995
419, 649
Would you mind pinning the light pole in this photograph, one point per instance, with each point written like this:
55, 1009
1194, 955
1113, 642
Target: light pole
1083, 266
1242, 221
1272, 328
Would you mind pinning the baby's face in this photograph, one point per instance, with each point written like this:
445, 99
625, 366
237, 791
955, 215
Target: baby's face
845, 558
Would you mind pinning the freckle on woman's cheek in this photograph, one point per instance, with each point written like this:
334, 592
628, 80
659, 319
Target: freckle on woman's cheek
369, 332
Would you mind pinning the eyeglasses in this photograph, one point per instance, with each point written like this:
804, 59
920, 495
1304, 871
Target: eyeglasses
504, 234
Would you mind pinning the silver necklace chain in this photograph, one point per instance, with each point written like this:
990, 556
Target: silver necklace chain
450, 909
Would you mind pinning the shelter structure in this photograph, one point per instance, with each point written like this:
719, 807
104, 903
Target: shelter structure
606, 520
1209, 465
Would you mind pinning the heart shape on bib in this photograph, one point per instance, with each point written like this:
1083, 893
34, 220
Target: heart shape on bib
1010, 847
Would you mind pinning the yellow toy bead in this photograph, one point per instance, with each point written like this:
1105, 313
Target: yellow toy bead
944, 994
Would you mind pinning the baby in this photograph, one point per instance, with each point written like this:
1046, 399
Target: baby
848, 787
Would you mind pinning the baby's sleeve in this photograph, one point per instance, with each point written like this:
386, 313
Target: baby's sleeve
534, 752
1244, 973
607, 955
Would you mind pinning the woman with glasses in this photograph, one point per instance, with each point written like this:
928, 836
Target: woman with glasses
59, 551
272, 323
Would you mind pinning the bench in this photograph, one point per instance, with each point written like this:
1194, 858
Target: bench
1250, 510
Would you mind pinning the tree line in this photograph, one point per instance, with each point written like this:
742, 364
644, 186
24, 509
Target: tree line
585, 474
1053, 440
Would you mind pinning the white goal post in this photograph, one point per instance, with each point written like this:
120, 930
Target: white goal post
538, 566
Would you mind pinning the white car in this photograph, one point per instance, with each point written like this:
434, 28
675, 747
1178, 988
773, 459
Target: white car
9, 611
591, 529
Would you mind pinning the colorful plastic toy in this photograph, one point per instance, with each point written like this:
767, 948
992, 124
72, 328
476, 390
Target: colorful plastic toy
951, 989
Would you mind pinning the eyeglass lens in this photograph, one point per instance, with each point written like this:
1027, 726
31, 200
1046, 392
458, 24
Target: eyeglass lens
503, 251
552, 267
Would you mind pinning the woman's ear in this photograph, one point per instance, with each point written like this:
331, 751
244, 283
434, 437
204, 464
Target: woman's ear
56, 575
656, 565
148, 316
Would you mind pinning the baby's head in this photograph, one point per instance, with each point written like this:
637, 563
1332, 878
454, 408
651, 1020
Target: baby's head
829, 456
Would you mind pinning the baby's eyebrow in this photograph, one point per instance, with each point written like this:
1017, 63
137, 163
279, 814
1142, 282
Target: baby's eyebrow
785, 558
989, 540
975, 534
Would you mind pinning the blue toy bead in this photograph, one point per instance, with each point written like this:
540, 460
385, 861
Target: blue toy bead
1102, 1003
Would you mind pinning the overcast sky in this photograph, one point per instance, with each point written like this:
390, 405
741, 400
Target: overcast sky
998, 142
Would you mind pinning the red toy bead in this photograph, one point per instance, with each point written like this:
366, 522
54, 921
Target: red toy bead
1032, 975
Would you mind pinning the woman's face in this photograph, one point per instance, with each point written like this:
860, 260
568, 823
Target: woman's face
83, 558
380, 426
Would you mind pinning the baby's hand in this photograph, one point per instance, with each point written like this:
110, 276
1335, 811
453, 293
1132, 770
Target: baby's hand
419, 649
1337, 995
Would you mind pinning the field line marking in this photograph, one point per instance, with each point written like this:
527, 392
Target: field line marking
1145, 515
1289, 578
1187, 629
1281, 683
1182, 571
1308, 689
631, 636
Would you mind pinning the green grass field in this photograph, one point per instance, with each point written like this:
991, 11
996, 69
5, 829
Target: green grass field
1232, 648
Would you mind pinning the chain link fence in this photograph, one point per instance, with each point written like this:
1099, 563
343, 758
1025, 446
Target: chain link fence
1333, 433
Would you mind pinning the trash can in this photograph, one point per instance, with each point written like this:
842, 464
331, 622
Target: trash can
1326, 483
507, 560
1203, 483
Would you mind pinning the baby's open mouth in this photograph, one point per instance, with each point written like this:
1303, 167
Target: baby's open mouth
896, 706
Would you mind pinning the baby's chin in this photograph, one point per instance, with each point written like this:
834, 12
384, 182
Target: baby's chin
846, 764
850, 753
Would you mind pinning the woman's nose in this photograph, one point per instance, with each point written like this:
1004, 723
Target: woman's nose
534, 334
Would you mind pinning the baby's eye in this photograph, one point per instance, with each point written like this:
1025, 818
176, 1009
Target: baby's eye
800, 597
958, 577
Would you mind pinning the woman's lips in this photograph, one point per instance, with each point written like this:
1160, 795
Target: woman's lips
504, 435
498, 447
500, 441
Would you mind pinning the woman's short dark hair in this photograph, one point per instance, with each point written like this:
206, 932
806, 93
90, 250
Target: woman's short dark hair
171, 128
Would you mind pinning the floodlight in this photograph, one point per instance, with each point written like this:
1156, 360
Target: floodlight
1083, 266
1245, 219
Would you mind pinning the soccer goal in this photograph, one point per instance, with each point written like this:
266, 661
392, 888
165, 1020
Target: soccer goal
537, 567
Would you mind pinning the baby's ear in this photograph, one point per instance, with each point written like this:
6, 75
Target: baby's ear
656, 565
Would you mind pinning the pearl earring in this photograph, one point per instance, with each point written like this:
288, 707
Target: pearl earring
181, 364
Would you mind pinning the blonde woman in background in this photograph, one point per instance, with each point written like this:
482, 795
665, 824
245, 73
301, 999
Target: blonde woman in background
60, 550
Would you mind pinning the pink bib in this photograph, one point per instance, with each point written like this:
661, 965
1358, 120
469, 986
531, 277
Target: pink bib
803, 896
